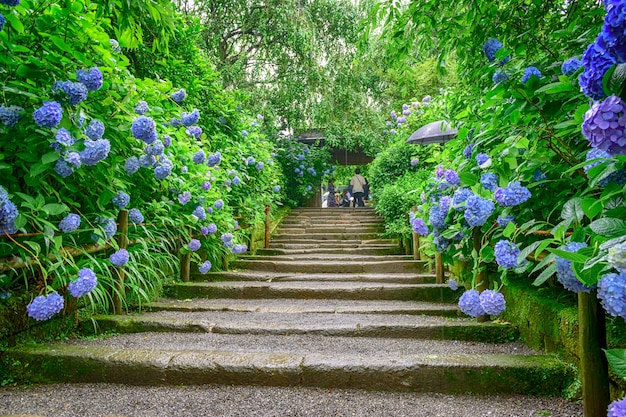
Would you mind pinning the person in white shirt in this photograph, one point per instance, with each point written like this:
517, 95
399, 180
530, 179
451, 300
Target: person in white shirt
358, 184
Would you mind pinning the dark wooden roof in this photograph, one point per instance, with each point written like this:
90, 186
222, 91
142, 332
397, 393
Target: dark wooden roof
338, 156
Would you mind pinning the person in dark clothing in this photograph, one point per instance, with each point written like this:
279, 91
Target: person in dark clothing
358, 184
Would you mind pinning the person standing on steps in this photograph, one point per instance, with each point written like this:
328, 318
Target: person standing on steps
331, 202
358, 184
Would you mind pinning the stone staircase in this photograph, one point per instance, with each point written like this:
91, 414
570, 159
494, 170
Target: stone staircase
330, 304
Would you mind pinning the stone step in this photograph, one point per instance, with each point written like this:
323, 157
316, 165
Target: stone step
333, 266
438, 293
307, 230
337, 324
304, 243
327, 257
299, 306
320, 221
376, 250
334, 236
319, 361
399, 278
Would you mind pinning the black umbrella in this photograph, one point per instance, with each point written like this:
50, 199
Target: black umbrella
435, 132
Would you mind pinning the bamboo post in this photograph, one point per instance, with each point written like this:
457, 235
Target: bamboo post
438, 268
185, 267
594, 372
482, 280
267, 226
416, 247
122, 242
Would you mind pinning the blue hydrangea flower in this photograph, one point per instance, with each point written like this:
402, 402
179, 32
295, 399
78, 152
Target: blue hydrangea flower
489, 181
69, 223
179, 95
459, 197
419, 227
109, 228
142, 107
84, 284
617, 257
483, 160
469, 149
95, 151
121, 200
596, 61
539, 176
192, 118
564, 272
529, 72
194, 245
194, 131
3, 20
492, 302
48, 115
10, 2
184, 198
227, 240
401, 120
250, 160
218, 204
236, 180
167, 140
506, 253
499, 76
115, 46
617, 408
206, 186
437, 217
131, 165
570, 66
176, 122
144, 128
75, 92
135, 216
9, 116
415, 161
238, 249
613, 29
244, 133
490, 48
214, 159
477, 210
64, 137
604, 125
95, 130
200, 213
73, 158
451, 177
394, 116
119, 258
469, 303
92, 78
276, 188
8, 214
63, 168
205, 267
199, 157
612, 294
212, 228
43, 307
453, 285
259, 166
513, 195
156, 148
504, 220
163, 170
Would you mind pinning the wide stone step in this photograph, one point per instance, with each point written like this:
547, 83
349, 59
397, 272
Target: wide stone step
319, 361
333, 266
308, 243
322, 221
327, 257
334, 236
299, 306
337, 324
315, 230
399, 278
439, 293
377, 250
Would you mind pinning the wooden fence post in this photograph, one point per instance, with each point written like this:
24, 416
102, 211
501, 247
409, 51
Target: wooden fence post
185, 267
438, 268
267, 226
122, 241
594, 372
416, 247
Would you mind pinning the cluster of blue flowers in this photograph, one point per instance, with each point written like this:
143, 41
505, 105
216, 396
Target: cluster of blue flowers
218, 204
564, 272
499, 76
8, 214
84, 284
477, 210
109, 228
144, 128
71, 93
513, 195
184, 198
259, 166
205, 267
617, 408
43, 307
276, 188
604, 125
9, 116
419, 226
469, 303
91, 78
612, 293
227, 240
70, 223
489, 181
490, 48
530, 72
121, 200
142, 107
238, 249
194, 131
492, 302
570, 66
119, 257
503, 221
179, 96
506, 253
48, 115
194, 245
483, 160
460, 197
135, 216
453, 285
199, 157
200, 213
598, 156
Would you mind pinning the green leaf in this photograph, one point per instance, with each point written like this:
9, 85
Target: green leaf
617, 360
609, 227
509, 229
15, 23
34, 246
468, 179
37, 169
572, 210
60, 43
54, 209
487, 254
588, 276
591, 207
542, 246
50, 157
558, 87
547, 273
570, 256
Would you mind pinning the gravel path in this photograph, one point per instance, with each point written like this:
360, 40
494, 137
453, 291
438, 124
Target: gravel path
96, 400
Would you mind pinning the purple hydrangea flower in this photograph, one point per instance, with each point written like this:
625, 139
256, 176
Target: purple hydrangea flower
95, 151
490, 48
469, 149
212, 228
504, 220
144, 128
506, 253
214, 159
250, 160
564, 272
477, 210
131, 165
205, 267
489, 181
401, 120
227, 240
199, 157
48, 115
238, 249
135, 216
499, 76
459, 197
419, 227
194, 245
63, 168
451, 177
440, 172
218, 204
194, 131
612, 294
469, 303
206, 186
84, 284
617, 257
492, 302
529, 72
437, 217
43, 307
259, 166
415, 161
95, 130
176, 122
513, 195
199, 213
244, 133
570, 66
92, 78
617, 408
453, 285
156, 148
204, 230
192, 118
9, 116
146, 161
179, 95
73, 158
483, 160
184, 198
76, 92
64, 137
393, 115
167, 140
596, 61
121, 200
613, 29
604, 125
119, 258
69, 223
